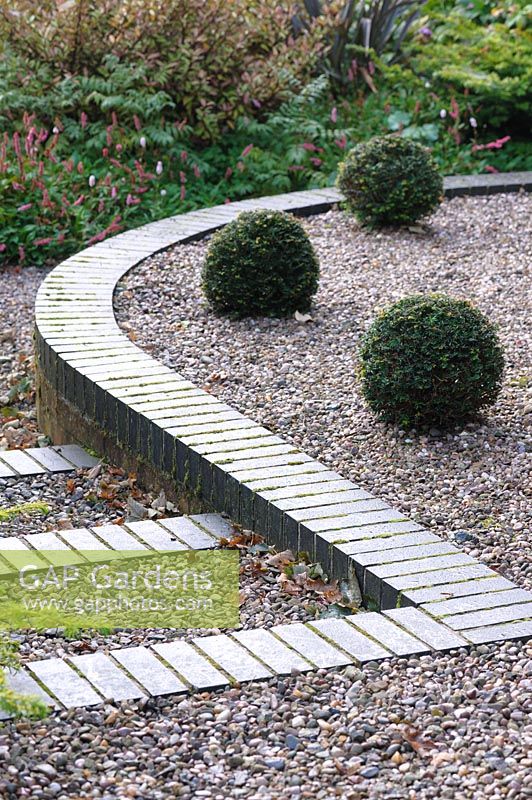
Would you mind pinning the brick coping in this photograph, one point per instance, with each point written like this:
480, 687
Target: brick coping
234, 465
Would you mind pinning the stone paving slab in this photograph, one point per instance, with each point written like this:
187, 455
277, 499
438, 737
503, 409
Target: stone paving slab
346, 637
436, 635
232, 658
490, 616
387, 633
496, 593
192, 666
311, 646
499, 633
276, 655
64, 683
149, 671
106, 676
40, 460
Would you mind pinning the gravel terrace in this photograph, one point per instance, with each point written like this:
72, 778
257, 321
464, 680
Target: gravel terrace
446, 726
298, 379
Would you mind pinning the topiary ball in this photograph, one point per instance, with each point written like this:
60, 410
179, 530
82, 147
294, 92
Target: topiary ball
390, 181
262, 264
430, 360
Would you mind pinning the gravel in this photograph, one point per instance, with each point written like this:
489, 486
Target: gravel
18, 426
441, 726
452, 726
298, 379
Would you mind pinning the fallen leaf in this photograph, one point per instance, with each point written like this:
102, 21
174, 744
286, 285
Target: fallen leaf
421, 746
299, 317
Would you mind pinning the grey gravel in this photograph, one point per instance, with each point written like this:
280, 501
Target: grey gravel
299, 379
451, 726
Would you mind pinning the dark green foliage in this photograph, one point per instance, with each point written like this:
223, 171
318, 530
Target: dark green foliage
262, 264
430, 360
390, 181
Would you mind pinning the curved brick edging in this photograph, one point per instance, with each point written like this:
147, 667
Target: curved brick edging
94, 382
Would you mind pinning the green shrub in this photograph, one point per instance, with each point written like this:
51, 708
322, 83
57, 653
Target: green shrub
390, 181
213, 59
261, 264
430, 359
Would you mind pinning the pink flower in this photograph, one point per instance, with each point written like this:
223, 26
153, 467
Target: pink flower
43, 242
309, 146
490, 169
21, 253
105, 152
183, 192
118, 148
182, 177
184, 156
137, 122
455, 109
496, 145
84, 120
3, 247
196, 171
132, 201
246, 151
316, 161
79, 201
80, 167
334, 114
341, 143
25, 207
228, 173
114, 192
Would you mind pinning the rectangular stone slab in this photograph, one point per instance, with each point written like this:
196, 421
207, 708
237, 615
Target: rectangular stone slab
232, 658
381, 514
463, 588
320, 503
344, 635
8, 543
490, 616
396, 555
62, 681
306, 493
58, 553
109, 680
155, 536
425, 628
444, 578
497, 633
477, 602
273, 485
76, 455
49, 459
326, 512
276, 655
383, 544
83, 539
117, 537
216, 525
22, 463
311, 646
147, 670
192, 666
19, 680
388, 633
5, 470
188, 532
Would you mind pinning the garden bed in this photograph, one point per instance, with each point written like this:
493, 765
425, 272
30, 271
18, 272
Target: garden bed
298, 378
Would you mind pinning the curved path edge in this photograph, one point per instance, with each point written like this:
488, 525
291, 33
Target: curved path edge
97, 386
